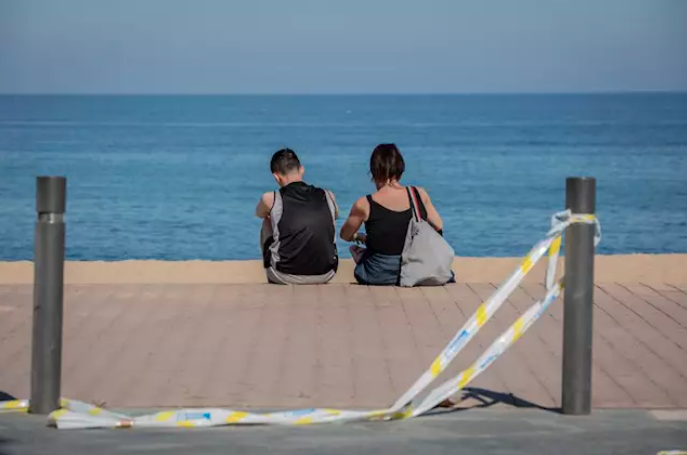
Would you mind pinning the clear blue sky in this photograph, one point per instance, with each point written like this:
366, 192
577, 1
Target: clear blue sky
341, 46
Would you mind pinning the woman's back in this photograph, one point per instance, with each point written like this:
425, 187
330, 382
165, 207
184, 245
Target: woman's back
387, 222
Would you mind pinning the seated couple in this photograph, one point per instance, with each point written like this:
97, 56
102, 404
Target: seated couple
299, 223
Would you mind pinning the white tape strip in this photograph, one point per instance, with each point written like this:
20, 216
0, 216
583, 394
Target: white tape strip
497, 348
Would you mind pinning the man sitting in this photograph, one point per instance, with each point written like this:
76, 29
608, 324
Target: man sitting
298, 232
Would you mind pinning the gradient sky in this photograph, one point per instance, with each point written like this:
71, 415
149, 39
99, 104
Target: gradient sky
342, 46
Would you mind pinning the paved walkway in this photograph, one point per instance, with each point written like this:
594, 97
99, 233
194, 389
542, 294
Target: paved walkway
337, 345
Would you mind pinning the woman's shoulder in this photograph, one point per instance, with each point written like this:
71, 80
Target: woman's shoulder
424, 195
363, 200
362, 205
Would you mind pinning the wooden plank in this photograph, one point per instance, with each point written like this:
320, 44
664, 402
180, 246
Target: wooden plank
650, 381
669, 327
644, 332
542, 343
370, 357
673, 293
494, 378
607, 391
654, 298
334, 345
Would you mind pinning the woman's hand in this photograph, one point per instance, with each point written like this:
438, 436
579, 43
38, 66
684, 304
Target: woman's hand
360, 238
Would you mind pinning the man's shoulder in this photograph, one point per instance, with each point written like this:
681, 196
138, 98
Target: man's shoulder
317, 187
267, 198
321, 190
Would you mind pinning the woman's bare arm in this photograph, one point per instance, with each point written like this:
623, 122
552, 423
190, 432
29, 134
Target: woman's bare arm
432, 215
359, 213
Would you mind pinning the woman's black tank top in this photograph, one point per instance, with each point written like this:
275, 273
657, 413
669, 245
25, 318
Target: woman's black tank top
386, 229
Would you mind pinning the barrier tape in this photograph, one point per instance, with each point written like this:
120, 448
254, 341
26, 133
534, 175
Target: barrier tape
14, 405
79, 415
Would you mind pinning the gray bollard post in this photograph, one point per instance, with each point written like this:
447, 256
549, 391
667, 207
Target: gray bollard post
48, 287
580, 197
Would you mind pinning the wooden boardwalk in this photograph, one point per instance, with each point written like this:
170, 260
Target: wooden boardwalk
268, 346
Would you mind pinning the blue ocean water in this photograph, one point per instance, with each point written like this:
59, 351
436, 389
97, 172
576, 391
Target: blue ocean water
178, 177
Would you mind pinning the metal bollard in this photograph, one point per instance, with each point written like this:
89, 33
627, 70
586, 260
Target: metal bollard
48, 290
580, 197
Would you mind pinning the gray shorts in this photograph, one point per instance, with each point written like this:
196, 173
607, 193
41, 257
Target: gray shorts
277, 277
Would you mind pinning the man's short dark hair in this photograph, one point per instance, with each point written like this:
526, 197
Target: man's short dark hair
284, 162
386, 163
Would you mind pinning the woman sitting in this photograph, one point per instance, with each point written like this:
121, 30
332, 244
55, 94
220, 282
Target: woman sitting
386, 215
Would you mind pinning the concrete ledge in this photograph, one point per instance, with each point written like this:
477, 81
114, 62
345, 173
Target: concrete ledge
635, 268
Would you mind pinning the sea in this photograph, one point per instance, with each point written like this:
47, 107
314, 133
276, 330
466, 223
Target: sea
178, 177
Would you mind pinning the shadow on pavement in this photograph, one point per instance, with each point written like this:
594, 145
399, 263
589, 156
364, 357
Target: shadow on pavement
488, 398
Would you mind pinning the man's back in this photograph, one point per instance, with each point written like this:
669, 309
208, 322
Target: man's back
302, 220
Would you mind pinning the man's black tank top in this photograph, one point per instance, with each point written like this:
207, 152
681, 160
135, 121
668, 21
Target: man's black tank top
386, 229
303, 218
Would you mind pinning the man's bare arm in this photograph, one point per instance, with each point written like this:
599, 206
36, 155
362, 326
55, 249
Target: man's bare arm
264, 207
336, 206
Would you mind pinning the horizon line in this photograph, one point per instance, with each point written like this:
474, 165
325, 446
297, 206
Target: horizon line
495, 93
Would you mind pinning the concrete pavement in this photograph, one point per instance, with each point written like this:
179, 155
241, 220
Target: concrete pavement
507, 432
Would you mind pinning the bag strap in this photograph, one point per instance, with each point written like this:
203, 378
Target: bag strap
412, 197
421, 209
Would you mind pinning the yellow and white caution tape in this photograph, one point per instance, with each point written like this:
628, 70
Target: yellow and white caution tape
498, 347
78, 415
14, 406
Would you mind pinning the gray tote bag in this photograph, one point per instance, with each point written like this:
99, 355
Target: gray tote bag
427, 258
